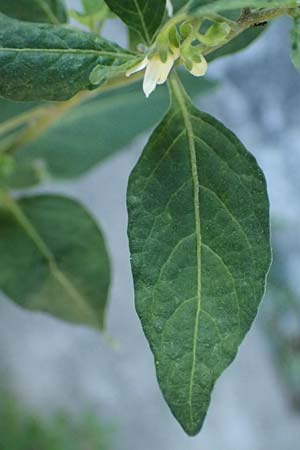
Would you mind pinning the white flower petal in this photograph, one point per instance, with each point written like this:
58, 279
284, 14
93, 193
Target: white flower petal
140, 66
165, 70
152, 75
199, 69
169, 7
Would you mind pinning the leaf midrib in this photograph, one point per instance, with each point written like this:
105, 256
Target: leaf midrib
180, 96
67, 51
140, 14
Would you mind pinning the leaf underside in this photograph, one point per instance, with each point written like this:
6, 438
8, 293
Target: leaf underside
199, 240
54, 259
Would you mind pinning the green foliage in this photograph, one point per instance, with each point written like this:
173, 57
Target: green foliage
51, 11
53, 258
178, 4
92, 6
20, 429
94, 14
95, 130
200, 251
197, 200
295, 43
10, 109
45, 62
239, 43
143, 16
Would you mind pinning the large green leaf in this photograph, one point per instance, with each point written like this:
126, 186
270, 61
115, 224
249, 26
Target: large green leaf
52, 11
40, 61
143, 16
53, 258
97, 129
199, 240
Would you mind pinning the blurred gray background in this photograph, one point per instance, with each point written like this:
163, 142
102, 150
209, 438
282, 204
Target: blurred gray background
53, 364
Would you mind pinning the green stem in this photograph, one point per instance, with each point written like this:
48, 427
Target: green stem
41, 123
265, 15
21, 119
247, 21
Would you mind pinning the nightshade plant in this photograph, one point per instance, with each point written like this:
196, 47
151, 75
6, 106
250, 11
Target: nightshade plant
197, 200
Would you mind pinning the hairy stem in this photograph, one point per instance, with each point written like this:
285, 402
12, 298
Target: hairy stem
249, 19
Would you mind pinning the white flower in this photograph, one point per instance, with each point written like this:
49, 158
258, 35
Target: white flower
169, 7
157, 71
197, 68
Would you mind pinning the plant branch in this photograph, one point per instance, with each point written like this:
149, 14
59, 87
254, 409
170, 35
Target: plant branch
40, 118
248, 20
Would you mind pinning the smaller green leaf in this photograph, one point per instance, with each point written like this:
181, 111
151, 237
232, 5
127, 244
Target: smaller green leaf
92, 6
143, 16
101, 73
53, 258
51, 11
47, 62
295, 44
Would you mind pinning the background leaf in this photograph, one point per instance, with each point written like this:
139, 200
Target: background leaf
51, 11
53, 258
143, 16
178, 4
96, 129
47, 62
199, 241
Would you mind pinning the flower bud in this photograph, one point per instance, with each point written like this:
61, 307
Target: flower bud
216, 34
